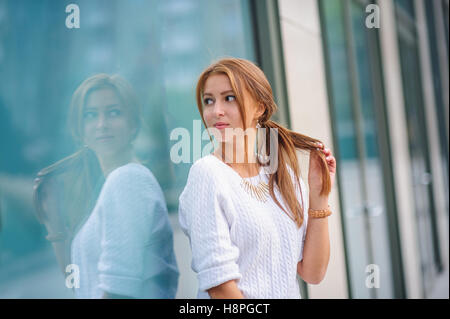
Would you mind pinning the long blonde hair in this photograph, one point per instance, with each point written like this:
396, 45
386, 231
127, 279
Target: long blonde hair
244, 74
75, 178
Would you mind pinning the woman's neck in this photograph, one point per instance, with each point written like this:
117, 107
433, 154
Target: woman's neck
234, 155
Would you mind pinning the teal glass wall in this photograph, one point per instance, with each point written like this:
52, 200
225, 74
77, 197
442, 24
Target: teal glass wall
160, 47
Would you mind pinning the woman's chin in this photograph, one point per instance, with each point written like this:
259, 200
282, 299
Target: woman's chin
104, 151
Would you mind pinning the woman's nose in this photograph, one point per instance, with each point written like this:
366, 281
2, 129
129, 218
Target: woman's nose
101, 122
218, 109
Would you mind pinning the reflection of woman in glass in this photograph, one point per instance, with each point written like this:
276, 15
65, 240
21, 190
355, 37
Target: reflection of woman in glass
247, 226
124, 248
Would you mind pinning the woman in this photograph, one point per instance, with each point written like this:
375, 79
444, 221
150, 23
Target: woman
124, 247
246, 224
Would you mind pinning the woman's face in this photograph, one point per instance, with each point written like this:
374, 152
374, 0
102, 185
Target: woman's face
220, 107
108, 129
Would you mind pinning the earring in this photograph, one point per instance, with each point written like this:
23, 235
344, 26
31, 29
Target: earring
255, 149
262, 156
258, 126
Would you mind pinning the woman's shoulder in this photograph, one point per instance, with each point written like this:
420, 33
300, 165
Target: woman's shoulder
208, 161
206, 168
204, 185
131, 176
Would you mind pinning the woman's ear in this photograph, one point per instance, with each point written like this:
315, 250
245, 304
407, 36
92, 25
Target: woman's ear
260, 110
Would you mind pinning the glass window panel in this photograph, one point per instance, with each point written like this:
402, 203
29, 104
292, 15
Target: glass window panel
373, 164
346, 132
160, 47
407, 6
419, 163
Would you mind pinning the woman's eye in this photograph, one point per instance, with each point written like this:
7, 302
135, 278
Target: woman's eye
114, 113
89, 115
208, 101
230, 98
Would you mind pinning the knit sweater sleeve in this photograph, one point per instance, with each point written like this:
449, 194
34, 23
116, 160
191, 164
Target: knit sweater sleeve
203, 219
130, 203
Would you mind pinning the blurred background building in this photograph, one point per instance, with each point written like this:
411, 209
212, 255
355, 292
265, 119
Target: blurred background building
368, 78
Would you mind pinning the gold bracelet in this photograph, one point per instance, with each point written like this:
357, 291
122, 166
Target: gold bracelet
320, 213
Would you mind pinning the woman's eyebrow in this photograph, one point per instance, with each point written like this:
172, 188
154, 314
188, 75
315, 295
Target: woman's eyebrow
95, 108
223, 93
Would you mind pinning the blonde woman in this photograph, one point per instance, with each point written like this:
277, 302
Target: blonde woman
252, 230
124, 247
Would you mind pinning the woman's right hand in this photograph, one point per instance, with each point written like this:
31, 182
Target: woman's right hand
315, 179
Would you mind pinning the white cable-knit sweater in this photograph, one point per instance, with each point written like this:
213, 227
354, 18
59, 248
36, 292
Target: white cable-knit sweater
235, 236
125, 247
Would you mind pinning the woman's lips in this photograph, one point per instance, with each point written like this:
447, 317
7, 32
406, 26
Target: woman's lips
221, 125
104, 138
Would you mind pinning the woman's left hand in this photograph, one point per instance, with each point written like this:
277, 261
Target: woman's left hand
315, 173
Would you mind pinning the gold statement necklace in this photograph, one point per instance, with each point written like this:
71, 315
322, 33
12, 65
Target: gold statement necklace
259, 192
